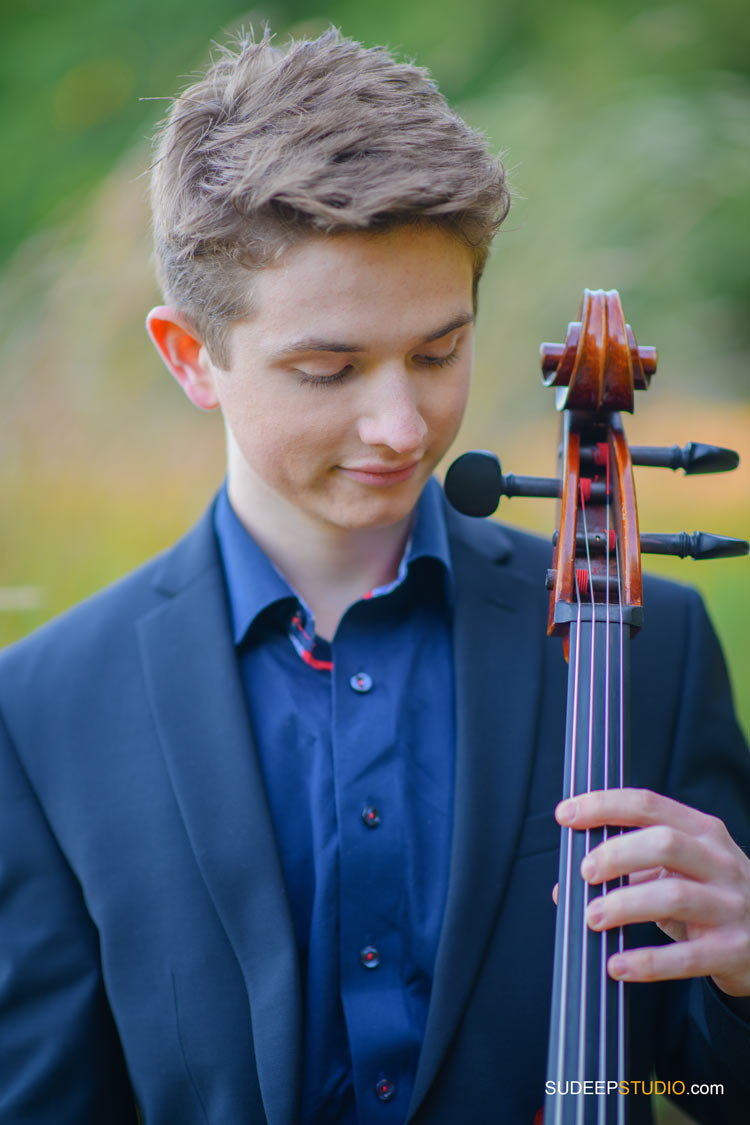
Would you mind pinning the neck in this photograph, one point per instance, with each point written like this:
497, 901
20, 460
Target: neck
330, 567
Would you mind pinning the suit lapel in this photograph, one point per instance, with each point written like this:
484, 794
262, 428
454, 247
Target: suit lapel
199, 707
499, 632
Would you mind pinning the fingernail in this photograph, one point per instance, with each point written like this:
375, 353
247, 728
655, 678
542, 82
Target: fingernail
617, 967
588, 867
594, 916
566, 812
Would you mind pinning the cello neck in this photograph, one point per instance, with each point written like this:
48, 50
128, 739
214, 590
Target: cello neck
588, 1025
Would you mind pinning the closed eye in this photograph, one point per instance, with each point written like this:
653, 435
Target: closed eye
325, 380
437, 360
339, 376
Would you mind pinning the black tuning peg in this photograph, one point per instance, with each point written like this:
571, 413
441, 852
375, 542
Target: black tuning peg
475, 482
699, 545
695, 457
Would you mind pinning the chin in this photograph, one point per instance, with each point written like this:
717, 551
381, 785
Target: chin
362, 517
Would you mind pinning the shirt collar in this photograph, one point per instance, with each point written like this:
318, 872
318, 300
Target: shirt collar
254, 583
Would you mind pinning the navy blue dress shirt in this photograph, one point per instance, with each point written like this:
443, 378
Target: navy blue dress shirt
356, 743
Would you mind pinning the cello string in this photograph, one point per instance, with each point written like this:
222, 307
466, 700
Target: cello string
582, 1029
621, 931
603, 1027
565, 962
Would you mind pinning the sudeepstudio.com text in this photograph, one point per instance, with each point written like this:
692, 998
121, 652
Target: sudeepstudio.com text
632, 1086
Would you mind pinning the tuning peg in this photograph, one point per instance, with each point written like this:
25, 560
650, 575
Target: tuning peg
475, 482
694, 458
699, 545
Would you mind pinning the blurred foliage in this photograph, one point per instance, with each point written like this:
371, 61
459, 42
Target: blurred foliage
626, 124
626, 129
73, 74
647, 104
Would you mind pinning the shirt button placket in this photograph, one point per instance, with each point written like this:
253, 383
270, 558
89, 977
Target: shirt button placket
369, 998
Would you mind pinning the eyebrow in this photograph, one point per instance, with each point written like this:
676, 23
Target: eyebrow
316, 344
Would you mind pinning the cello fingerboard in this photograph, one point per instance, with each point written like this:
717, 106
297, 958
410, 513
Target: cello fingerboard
588, 1025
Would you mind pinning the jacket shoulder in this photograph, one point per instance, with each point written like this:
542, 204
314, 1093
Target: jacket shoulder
497, 541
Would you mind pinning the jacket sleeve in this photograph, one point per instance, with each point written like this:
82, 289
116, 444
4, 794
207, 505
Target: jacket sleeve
702, 1040
60, 1060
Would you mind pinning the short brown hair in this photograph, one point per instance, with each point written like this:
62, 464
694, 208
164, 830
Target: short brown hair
273, 146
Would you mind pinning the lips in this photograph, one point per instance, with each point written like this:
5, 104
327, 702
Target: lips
379, 474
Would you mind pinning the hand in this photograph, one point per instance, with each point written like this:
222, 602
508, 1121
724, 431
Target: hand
684, 872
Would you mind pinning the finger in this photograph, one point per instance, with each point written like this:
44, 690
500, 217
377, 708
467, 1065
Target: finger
667, 900
718, 956
633, 808
555, 893
659, 846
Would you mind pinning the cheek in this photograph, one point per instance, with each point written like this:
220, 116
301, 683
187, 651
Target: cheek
447, 408
462, 396
280, 438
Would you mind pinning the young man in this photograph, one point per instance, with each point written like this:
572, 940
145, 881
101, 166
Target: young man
278, 837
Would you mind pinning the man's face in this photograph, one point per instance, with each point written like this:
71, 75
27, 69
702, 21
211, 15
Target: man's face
348, 382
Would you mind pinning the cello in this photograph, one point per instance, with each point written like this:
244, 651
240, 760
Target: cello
596, 607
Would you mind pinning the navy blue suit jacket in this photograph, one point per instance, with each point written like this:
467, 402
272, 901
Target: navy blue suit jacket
146, 946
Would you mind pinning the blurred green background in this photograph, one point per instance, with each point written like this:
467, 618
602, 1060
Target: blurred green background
626, 128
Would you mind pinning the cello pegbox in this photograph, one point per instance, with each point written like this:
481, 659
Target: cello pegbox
600, 365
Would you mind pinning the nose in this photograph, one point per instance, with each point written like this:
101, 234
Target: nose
391, 416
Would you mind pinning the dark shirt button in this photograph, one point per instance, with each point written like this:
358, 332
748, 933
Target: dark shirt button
361, 682
369, 957
371, 816
385, 1089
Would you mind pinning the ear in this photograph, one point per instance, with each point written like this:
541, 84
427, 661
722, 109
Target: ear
184, 354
